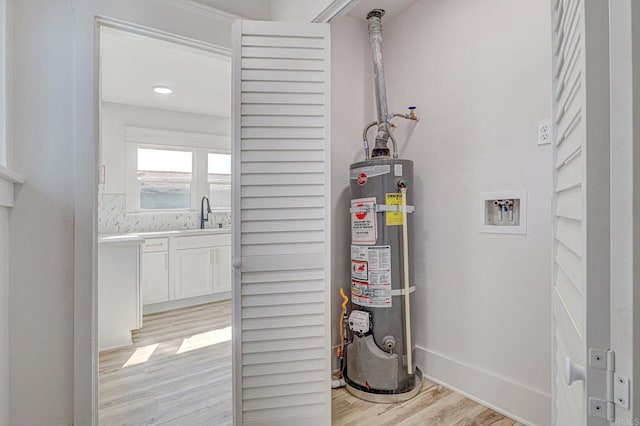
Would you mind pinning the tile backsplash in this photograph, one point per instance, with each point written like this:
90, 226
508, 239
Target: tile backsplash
113, 218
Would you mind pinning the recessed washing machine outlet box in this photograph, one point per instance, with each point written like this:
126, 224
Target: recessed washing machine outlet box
504, 212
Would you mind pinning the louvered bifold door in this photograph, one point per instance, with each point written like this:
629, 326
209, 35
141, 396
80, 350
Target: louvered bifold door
281, 201
580, 302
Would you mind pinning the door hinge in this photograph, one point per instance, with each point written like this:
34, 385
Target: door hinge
617, 388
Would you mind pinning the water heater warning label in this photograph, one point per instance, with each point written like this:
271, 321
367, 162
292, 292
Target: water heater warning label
393, 199
364, 227
371, 276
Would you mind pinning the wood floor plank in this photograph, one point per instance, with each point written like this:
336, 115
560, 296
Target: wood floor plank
434, 406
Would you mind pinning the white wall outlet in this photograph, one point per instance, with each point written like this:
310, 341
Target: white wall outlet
544, 132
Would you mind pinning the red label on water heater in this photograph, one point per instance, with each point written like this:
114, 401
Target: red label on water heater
362, 178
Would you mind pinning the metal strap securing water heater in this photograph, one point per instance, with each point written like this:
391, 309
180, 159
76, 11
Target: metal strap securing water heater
378, 208
401, 291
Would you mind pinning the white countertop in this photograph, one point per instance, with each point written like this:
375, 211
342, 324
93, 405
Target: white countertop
140, 237
121, 239
184, 232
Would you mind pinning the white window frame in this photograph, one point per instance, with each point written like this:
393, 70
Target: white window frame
208, 183
199, 144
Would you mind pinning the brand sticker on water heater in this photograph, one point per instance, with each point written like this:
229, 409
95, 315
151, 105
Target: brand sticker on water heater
364, 226
362, 179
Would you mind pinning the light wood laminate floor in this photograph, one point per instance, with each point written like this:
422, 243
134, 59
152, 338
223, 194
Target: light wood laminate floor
186, 379
178, 372
435, 405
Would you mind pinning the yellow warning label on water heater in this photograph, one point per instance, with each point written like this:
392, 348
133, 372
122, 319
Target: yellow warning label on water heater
393, 199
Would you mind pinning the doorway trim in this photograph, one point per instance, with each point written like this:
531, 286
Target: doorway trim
87, 146
142, 30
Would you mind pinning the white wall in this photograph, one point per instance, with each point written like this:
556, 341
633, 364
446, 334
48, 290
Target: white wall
351, 107
480, 74
4, 316
41, 227
5, 82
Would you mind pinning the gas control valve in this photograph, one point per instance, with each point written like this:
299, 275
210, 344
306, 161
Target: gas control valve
359, 322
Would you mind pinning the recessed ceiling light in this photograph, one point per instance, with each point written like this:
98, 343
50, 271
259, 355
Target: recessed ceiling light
163, 90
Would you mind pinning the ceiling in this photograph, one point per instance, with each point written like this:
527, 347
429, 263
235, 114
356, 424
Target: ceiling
250, 9
260, 9
392, 8
132, 64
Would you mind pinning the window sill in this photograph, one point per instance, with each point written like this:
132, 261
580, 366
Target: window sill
8, 179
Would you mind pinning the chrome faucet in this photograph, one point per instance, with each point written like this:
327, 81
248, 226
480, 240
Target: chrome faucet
204, 216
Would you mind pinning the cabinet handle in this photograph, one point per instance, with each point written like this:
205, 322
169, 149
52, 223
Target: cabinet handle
212, 253
166, 261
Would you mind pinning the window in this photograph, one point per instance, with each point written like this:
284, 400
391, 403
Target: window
171, 171
164, 178
219, 179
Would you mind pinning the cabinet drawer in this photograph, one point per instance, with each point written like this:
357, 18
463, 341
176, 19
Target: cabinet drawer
202, 241
155, 244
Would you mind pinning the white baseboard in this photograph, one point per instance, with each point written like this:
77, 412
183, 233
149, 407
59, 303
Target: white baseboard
520, 402
183, 303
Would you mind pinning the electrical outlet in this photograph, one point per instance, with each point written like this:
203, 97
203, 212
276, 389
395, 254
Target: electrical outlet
544, 132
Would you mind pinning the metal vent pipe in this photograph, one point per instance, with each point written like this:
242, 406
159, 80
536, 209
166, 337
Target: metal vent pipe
374, 19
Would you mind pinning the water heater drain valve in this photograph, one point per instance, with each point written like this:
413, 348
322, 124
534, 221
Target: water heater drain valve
389, 343
360, 322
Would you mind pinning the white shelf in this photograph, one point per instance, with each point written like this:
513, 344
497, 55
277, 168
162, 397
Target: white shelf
8, 178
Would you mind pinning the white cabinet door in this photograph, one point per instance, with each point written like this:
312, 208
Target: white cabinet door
155, 277
193, 274
221, 269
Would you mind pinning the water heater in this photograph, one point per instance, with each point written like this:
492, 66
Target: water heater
377, 350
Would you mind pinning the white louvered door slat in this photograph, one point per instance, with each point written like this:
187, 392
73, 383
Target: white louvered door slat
580, 300
281, 200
